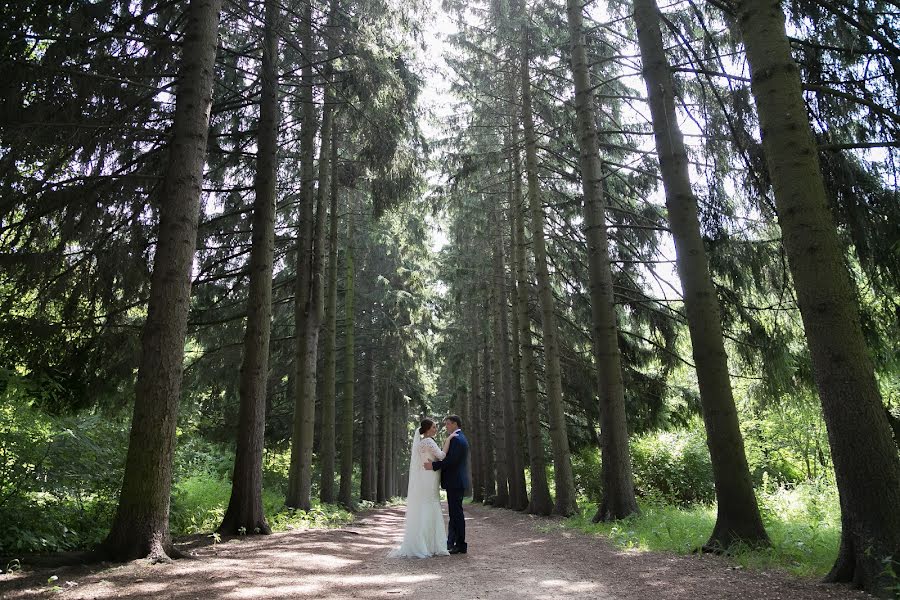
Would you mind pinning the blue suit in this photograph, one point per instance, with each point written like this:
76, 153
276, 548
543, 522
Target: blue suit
455, 479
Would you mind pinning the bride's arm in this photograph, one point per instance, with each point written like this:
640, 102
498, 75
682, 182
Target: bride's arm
437, 452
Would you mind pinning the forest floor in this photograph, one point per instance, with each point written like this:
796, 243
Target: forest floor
511, 556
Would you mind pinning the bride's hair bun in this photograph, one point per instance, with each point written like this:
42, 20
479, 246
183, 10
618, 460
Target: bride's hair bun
425, 425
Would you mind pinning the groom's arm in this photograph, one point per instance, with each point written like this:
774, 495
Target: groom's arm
454, 456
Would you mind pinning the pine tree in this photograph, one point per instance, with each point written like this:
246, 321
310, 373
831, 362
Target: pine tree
141, 525
245, 508
618, 487
866, 463
738, 519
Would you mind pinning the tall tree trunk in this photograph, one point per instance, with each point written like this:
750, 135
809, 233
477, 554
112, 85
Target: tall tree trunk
369, 430
473, 427
345, 495
866, 463
541, 503
315, 312
738, 518
484, 431
499, 374
245, 508
141, 525
400, 431
403, 439
395, 416
305, 310
459, 403
390, 436
465, 413
518, 497
618, 488
894, 423
564, 479
327, 449
509, 23
382, 451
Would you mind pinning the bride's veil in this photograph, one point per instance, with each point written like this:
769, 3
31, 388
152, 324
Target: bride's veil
415, 469
423, 527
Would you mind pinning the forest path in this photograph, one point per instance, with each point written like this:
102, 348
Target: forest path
511, 556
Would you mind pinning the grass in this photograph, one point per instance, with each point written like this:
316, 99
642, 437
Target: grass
199, 503
803, 524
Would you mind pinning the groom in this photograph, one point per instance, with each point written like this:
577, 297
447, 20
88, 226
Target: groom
455, 479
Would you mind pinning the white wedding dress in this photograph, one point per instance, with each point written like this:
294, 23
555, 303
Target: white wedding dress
423, 531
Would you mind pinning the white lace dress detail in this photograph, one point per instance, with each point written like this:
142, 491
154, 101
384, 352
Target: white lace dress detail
424, 534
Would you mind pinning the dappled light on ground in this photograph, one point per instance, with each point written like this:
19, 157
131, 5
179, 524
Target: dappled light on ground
511, 556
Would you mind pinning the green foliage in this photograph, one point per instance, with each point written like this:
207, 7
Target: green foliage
803, 523
786, 441
200, 494
59, 476
657, 527
194, 456
673, 467
320, 515
586, 468
199, 502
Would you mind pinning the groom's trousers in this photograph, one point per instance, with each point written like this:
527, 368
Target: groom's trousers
456, 531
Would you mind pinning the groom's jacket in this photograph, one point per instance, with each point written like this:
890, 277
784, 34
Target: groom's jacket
455, 466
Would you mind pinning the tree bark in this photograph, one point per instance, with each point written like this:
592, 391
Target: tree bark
520, 501
345, 495
618, 488
390, 440
472, 426
382, 452
484, 431
540, 503
894, 423
305, 310
738, 519
403, 439
866, 464
368, 470
564, 480
507, 23
329, 386
141, 525
458, 404
245, 508
395, 445
499, 417
515, 470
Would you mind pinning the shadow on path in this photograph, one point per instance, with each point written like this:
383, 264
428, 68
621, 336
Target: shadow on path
509, 558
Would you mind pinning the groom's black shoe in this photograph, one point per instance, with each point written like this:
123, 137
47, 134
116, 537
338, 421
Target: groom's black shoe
459, 549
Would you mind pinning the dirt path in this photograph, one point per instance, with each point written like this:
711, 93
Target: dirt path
510, 557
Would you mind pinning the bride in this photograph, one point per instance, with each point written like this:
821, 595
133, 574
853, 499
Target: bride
423, 531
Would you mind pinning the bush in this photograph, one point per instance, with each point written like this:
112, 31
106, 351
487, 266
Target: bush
786, 441
673, 468
803, 523
199, 503
586, 469
656, 527
60, 480
59, 476
195, 455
